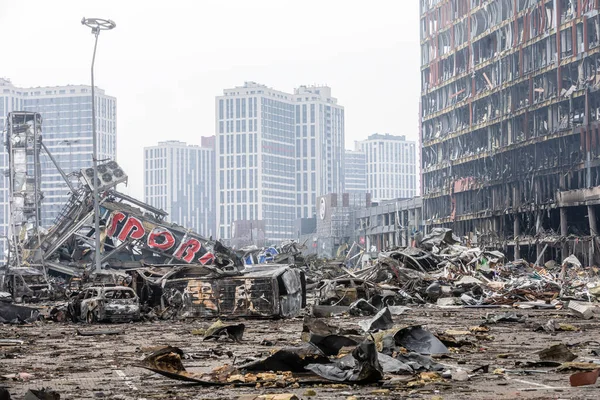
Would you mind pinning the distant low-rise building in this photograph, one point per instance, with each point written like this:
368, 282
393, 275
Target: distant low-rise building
335, 221
389, 224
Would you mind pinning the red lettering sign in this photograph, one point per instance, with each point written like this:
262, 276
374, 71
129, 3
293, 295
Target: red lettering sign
207, 258
187, 250
133, 228
114, 223
161, 239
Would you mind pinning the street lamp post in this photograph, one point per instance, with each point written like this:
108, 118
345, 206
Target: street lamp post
97, 25
70, 143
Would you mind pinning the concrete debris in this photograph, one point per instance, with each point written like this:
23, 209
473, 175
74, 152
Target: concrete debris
558, 352
155, 271
584, 378
581, 310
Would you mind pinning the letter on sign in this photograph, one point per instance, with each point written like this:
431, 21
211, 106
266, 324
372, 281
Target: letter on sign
133, 228
187, 250
114, 222
161, 239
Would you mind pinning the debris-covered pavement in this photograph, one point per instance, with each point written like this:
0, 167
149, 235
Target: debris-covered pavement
499, 360
442, 320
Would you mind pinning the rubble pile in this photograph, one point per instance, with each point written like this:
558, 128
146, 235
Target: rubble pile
444, 272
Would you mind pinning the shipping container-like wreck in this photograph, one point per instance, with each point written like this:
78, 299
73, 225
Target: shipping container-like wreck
263, 291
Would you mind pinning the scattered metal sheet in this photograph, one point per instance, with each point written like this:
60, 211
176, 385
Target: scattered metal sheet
362, 366
218, 331
16, 314
380, 322
419, 340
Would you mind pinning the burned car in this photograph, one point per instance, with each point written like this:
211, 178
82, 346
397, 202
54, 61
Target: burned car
26, 284
105, 304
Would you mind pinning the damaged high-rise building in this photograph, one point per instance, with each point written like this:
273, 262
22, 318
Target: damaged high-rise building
509, 123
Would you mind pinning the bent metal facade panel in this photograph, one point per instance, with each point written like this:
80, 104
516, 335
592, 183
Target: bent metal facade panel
509, 123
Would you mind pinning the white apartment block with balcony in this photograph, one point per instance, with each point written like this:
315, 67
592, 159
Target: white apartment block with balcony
391, 166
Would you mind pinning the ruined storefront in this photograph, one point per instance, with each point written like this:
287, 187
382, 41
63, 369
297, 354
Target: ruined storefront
510, 127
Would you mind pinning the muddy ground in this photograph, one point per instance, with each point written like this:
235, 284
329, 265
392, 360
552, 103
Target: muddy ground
96, 367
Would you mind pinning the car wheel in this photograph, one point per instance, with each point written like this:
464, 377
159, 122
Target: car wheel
91, 318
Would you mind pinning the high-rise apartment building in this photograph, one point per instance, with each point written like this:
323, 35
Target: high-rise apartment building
391, 166
180, 179
275, 153
355, 172
255, 150
67, 132
510, 124
319, 147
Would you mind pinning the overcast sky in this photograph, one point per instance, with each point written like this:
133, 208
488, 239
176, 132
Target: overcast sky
167, 60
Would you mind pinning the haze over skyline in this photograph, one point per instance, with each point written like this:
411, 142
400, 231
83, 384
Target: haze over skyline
165, 65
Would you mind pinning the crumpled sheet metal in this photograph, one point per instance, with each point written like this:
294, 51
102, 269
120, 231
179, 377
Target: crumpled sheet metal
380, 322
293, 359
16, 314
329, 339
419, 340
439, 237
167, 362
362, 366
218, 330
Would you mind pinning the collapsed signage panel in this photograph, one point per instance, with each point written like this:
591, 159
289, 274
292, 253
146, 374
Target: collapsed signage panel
128, 224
